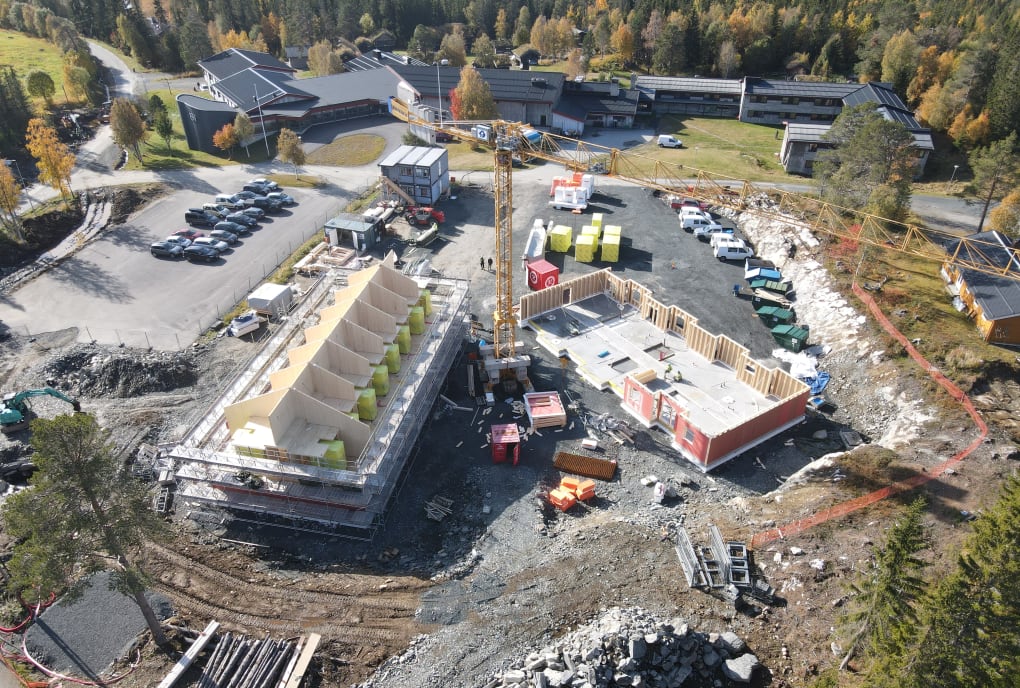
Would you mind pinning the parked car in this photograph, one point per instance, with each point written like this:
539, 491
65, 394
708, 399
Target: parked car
201, 253
235, 228
166, 249
229, 202
246, 196
699, 226
726, 235
254, 213
224, 235
268, 183
667, 141
183, 242
281, 197
189, 234
198, 216
214, 244
733, 250
216, 209
242, 218
259, 189
267, 204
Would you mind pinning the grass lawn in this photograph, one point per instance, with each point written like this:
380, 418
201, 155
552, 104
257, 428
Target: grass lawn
725, 147
464, 156
349, 151
28, 54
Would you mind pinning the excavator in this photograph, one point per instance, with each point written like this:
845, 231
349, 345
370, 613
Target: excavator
15, 412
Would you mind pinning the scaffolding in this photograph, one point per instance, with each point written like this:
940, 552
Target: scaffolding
349, 503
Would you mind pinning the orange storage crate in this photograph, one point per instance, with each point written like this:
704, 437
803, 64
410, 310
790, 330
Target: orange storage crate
570, 483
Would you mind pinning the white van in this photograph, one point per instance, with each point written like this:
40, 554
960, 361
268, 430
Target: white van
667, 141
699, 225
732, 251
724, 237
688, 211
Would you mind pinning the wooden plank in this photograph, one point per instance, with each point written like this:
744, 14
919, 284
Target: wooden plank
184, 662
304, 660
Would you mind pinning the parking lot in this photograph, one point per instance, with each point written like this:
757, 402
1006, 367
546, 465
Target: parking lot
115, 292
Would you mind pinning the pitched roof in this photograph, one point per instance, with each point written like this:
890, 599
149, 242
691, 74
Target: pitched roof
574, 102
505, 84
778, 88
243, 87
374, 59
233, 60
203, 104
998, 297
808, 133
650, 84
349, 87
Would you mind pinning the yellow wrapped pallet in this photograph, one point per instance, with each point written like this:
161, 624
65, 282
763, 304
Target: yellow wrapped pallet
560, 238
335, 456
611, 248
426, 301
612, 230
596, 220
584, 248
393, 358
366, 404
591, 230
404, 339
381, 380
416, 320
353, 415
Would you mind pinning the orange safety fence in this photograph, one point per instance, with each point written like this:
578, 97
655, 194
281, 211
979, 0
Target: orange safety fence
844, 508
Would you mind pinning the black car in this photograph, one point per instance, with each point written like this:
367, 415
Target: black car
235, 228
260, 189
197, 253
242, 219
246, 196
166, 249
198, 216
268, 204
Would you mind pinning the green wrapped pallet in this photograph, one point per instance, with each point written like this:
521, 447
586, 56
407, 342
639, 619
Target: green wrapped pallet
404, 339
393, 358
560, 238
381, 380
335, 456
596, 220
416, 320
426, 301
366, 404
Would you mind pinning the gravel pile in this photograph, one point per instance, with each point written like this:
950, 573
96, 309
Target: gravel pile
96, 372
84, 636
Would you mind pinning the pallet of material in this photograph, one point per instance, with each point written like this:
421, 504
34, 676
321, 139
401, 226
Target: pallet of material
588, 466
545, 410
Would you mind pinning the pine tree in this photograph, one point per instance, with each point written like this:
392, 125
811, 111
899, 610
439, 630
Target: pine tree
881, 611
14, 109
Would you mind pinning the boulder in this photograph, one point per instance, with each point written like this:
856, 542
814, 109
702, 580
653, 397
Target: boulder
741, 669
733, 641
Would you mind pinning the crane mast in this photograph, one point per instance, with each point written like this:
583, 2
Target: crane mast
504, 323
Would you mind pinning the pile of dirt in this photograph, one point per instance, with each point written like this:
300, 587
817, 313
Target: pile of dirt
128, 199
42, 232
92, 371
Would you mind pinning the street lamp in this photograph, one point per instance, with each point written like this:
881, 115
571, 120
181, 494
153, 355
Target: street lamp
261, 119
952, 178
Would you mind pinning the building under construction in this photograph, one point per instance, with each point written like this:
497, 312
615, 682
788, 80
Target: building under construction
316, 432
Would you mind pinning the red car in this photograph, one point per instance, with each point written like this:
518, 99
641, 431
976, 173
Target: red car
189, 234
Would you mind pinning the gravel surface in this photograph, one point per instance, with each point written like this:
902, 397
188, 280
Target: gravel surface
84, 636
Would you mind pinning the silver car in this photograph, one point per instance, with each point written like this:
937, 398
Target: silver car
283, 198
215, 244
223, 235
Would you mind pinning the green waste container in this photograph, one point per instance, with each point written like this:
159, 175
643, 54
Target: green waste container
790, 337
366, 404
425, 301
404, 339
770, 285
393, 358
773, 315
416, 320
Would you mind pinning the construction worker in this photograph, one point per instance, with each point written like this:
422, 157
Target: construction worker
481, 263
490, 264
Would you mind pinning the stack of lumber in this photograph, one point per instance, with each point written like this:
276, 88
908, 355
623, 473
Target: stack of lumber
238, 661
560, 238
584, 248
545, 409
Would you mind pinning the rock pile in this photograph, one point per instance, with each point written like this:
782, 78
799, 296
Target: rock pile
92, 371
629, 647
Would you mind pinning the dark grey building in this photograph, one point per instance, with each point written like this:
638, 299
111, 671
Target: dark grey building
201, 118
667, 95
